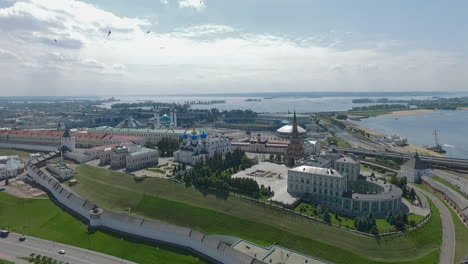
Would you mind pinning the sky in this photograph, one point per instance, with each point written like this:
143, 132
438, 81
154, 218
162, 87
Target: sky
52, 47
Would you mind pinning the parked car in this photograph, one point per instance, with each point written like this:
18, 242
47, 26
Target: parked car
4, 233
22, 238
61, 252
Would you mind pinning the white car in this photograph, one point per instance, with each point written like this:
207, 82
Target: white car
61, 252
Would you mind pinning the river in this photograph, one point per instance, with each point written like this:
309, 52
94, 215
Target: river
451, 126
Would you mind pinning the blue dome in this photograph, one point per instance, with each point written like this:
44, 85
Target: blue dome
165, 118
184, 136
203, 135
194, 137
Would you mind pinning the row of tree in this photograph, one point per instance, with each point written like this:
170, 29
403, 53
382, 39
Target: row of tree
216, 172
366, 224
399, 221
166, 146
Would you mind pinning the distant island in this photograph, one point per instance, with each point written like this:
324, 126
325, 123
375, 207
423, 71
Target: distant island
434, 104
253, 100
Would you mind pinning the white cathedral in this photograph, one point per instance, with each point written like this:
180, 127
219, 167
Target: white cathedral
195, 148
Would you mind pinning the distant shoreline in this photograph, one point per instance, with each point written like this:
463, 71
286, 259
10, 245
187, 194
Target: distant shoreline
409, 112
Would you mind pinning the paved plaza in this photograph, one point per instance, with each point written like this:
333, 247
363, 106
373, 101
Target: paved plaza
271, 175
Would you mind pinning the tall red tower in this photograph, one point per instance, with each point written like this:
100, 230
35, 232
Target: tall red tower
295, 149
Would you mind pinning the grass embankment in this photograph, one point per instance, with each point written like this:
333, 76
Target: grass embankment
461, 231
174, 203
9, 152
461, 236
2, 261
449, 185
42, 218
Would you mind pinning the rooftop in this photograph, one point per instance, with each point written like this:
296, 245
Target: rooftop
347, 160
317, 171
136, 130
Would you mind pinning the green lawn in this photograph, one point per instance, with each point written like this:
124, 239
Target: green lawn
42, 218
449, 185
2, 261
217, 214
8, 152
461, 231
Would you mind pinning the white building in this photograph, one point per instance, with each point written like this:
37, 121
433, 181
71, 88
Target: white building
328, 186
413, 169
312, 147
321, 183
60, 171
129, 157
197, 148
10, 167
348, 167
68, 141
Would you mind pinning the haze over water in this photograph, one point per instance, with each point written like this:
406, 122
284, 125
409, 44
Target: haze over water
452, 128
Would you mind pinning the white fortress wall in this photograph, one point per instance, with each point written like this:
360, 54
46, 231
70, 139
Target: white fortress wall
210, 246
27, 146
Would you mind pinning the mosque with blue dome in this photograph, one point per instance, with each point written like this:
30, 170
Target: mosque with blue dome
165, 121
197, 146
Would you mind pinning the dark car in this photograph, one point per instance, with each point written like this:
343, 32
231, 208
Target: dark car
22, 238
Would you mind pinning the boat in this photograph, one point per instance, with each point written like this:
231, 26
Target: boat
437, 148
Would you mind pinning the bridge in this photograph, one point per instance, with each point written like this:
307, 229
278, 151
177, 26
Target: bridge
438, 161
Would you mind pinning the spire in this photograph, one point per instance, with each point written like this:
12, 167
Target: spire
67, 132
294, 123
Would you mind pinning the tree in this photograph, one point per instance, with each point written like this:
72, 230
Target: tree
326, 216
149, 145
272, 156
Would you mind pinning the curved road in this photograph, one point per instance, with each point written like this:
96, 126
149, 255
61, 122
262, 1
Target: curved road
447, 249
11, 248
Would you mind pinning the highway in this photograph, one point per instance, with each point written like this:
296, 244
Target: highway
447, 249
448, 162
11, 248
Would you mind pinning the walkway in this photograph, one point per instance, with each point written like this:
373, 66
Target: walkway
447, 249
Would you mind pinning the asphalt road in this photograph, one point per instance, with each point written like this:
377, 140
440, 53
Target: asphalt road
447, 249
11, 248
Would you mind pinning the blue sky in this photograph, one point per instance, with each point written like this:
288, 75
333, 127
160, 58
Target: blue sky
232, 46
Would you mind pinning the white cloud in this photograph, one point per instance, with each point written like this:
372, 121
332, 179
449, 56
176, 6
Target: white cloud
197, 58
164, 2
199, 5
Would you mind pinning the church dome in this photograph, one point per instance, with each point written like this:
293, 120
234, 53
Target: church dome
203, 135
194, 137
184, 136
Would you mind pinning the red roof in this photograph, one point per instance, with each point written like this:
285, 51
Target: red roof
58, 133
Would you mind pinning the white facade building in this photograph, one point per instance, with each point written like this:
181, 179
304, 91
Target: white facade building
10, 166
196, 149
348, 167
328, 186
129, 157
68, 141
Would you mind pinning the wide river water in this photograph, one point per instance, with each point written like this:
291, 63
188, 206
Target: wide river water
451, 126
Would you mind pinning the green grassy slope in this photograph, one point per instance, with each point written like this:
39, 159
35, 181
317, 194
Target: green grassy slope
42, 218
177, 204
